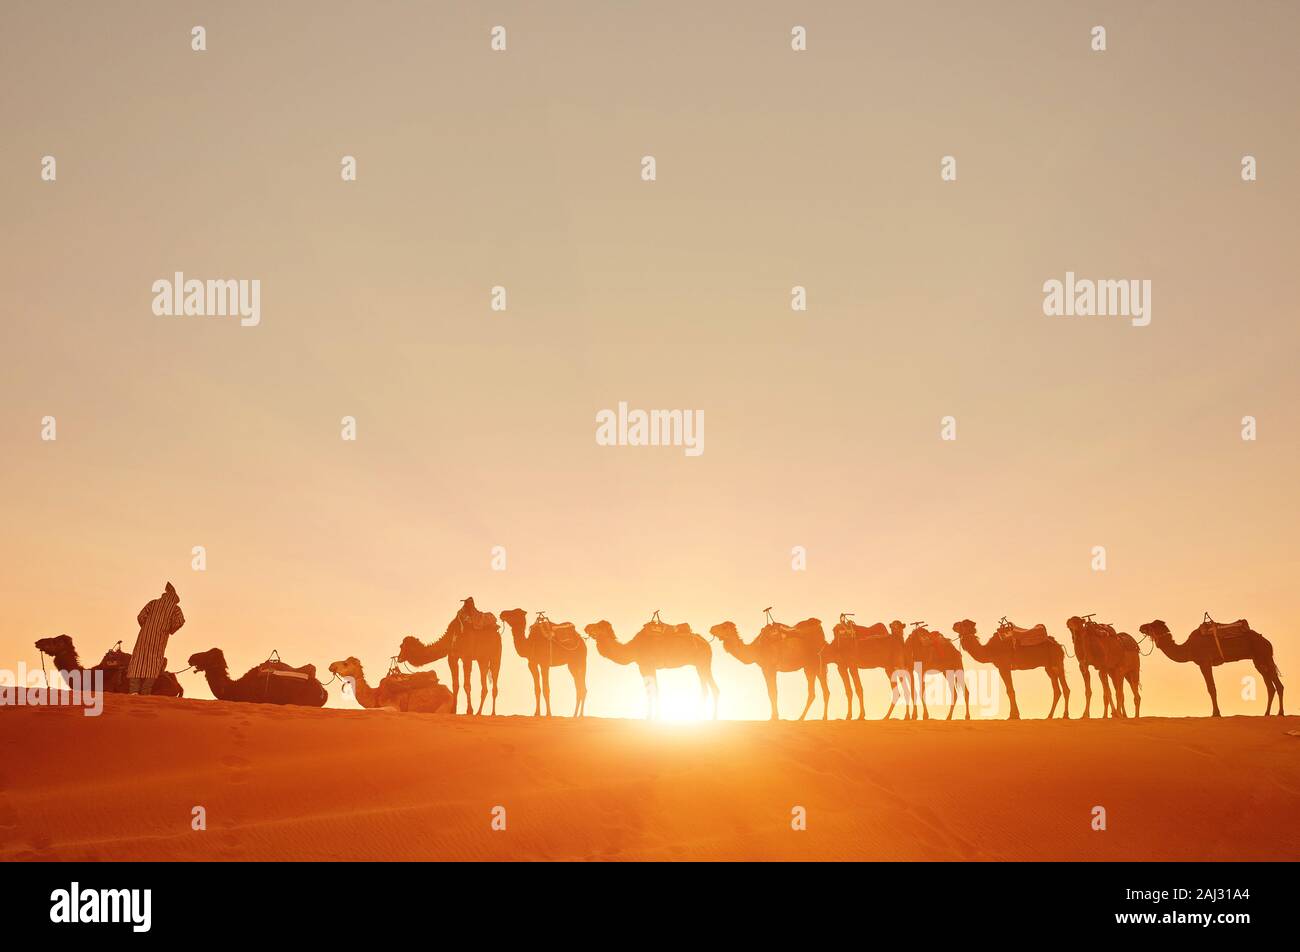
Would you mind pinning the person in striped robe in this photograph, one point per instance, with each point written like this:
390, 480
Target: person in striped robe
158, 621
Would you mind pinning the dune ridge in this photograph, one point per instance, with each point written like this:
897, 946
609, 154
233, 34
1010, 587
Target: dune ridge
282, 783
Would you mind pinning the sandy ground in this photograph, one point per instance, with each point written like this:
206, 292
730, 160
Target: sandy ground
292, 783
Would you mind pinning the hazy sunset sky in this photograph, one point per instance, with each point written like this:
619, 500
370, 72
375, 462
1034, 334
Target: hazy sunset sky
476, 428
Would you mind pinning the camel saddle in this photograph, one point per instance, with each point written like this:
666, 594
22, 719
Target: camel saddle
928, 638
562, 634
779, 632
656, 627
274, 667
116, 658
400, 681
1220, 630
851, 629
1022, 637
471, 619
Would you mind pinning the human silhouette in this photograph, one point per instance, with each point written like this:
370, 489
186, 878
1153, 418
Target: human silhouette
158, 621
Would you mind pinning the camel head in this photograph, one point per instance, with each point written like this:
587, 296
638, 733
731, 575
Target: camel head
725, 631
210, 660
964, 628
59, 644
599, 630
409, 647
1075, 624
1156, 630
347, 668
896, 627
516, 618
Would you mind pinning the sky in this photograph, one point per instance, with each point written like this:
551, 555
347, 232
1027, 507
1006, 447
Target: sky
476, 428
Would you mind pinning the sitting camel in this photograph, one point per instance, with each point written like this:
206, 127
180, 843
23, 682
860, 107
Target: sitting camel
419, 692
1116, 657
854, 647
1212, 644
659, 645
546, 645
779, 648
1019, 649
271, 682
472, 635
61, 649
929, 652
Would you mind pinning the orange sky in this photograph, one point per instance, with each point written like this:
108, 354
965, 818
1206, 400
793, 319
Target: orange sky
477, 428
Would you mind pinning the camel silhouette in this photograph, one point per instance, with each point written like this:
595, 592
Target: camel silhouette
471, 636
64, 653
549, 644
1207, 650
1005, 653
1116, 657
854, 647
782, 648
419, 692
272, 682
659, 645
929, 652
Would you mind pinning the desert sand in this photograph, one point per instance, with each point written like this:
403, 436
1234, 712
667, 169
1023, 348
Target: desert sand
282, 783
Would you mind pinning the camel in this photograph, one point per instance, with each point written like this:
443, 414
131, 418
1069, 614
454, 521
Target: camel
1116, 657
659, 645
471, 636
854, 647
782, 648
1207, 649
548, 645
61, 649
1005, 652
420, 692
272, 682
929, 652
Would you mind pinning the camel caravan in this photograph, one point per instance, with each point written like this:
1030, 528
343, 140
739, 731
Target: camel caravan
905, 658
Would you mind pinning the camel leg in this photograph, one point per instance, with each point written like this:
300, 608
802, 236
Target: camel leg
454, 664
1065, 690
1207, 672
1119, 709
951, 678
848, 692
1107, 700
467, 666
708, 684
812, 691
920, 686
1133, 682
1056, 691
546, 688
893, 696
1087, 691
496, 672
965, 691
857, 689
482, 685
769, 675
1011, 693
1263, 666
534, 670
579, 672
826, 695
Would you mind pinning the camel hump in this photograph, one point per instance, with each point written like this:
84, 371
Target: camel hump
1223, 630
1127, 641
663, 628
115, 658
863, 633
563, 634
1024, 637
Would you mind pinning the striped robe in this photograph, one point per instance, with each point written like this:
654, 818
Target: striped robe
158, 621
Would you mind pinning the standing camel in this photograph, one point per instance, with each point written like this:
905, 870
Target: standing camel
1116, 657
549, 644
1211, 644
782, 648
659, 645
471, 636
1019, 649
854, 647
929, 652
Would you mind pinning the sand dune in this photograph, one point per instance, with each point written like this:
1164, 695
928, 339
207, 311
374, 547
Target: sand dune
293, 783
